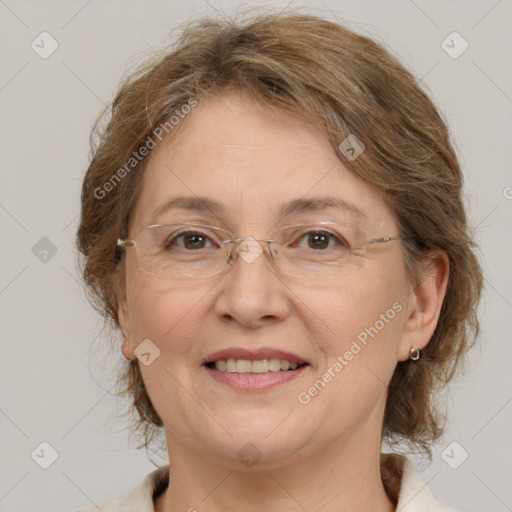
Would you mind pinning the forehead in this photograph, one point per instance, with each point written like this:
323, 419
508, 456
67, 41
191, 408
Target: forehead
255, 163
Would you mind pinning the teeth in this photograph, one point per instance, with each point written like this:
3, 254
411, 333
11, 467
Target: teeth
243, 366
273, 364
259, 366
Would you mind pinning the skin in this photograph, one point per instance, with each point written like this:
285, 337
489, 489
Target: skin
322, 456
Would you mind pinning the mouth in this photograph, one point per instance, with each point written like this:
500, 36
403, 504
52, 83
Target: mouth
256, 366
254, 370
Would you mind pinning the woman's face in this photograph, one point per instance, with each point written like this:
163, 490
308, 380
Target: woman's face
349, 330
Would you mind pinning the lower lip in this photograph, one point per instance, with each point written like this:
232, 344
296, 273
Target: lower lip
255, 381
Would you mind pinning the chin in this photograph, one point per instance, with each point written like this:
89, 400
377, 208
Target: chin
240, 452
267, 442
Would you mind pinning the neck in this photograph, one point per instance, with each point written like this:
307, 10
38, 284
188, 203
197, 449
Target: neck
342, 477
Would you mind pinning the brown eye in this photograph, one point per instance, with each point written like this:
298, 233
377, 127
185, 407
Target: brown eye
188, 240
320, 240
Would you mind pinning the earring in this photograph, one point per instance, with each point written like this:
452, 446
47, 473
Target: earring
415, 354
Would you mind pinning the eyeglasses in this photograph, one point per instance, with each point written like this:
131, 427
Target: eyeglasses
190, 251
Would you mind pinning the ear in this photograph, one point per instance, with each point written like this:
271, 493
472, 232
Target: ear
124, 325
424, 304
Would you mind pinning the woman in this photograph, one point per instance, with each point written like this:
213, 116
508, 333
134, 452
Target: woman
273, 220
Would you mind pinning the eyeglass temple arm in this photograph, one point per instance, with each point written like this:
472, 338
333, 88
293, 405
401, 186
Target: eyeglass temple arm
125, 242
385, 239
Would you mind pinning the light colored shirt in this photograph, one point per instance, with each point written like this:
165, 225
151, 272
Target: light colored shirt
414, 495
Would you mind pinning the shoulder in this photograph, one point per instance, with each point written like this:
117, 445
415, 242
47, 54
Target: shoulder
139, 499
414, 495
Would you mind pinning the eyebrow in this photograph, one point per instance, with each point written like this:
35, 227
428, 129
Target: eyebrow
295, 206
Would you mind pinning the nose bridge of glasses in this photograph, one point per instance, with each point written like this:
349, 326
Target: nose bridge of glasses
248, 249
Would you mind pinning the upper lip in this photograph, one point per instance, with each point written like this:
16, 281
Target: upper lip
253, 355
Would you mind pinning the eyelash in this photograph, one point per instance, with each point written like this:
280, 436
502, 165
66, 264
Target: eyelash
168, 243
337, 238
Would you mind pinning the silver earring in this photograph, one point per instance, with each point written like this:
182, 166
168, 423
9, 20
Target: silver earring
415, 354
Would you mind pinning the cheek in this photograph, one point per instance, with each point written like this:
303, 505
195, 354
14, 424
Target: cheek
169, 315
365, 319
365, 303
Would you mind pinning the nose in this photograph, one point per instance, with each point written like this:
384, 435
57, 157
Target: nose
252, 293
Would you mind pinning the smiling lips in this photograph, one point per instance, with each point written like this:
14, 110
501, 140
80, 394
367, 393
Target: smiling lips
258, 361
258, 366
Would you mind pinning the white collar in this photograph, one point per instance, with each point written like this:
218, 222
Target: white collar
415, 496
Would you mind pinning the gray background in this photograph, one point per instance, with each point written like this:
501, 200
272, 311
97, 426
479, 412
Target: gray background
55, 388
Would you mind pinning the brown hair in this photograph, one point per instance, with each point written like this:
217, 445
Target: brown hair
348, 84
